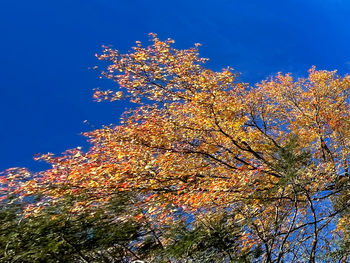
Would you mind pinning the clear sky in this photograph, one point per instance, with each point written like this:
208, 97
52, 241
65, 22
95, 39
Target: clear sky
48, 46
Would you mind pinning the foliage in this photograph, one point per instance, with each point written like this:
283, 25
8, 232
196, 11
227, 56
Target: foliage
274, 156
215, 238
57, 235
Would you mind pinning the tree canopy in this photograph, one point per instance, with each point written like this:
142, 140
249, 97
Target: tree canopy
239, 172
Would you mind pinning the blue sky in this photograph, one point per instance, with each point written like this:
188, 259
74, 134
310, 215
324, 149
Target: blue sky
47, 48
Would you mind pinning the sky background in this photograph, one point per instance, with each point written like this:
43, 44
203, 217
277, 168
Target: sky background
48, 46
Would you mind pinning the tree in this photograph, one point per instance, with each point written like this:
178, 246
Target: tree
273, 157
215, 238
56, 234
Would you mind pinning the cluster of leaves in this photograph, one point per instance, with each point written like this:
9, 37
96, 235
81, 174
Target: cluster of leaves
110, 234
57, 235
266, 166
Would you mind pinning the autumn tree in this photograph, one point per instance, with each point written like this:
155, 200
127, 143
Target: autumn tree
273, 158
